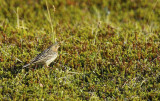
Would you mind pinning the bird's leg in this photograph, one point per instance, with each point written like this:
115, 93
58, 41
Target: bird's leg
36, 66
45, 66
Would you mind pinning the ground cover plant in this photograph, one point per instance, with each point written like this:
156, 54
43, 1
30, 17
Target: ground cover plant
109, 49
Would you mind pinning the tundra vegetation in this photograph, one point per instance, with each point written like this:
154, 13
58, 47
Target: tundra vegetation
109, 49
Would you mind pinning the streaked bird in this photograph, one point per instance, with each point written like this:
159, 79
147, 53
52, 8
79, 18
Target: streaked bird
46, 57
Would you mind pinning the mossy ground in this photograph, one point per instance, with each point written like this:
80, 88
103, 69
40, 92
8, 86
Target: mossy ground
109, 49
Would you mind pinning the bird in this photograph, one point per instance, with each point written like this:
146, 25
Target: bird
45, 57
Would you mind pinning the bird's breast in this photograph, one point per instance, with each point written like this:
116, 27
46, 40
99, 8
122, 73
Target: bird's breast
51, 59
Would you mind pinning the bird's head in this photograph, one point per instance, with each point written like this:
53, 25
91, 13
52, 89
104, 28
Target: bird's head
55, 46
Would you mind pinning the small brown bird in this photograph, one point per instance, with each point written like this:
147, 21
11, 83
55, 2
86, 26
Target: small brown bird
46, 57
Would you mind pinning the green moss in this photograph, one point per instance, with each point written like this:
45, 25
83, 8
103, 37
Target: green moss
109, 50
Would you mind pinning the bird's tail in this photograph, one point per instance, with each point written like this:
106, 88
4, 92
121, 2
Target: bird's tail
26, 65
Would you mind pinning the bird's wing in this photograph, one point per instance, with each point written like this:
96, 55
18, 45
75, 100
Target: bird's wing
46, 57
40, 56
